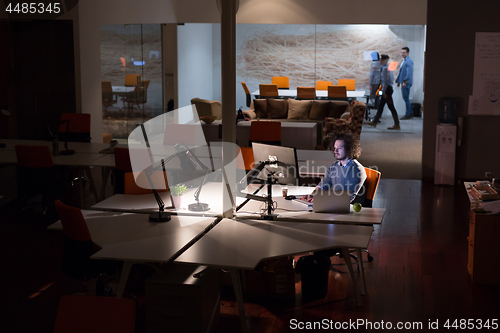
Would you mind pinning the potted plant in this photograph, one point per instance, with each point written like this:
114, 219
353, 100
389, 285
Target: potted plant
176, 193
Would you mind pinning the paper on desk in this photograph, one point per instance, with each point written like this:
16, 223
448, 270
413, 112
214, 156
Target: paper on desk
491, 207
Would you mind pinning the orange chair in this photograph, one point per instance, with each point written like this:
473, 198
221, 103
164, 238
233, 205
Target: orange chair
350, 84
247, 93
323, 85
122, 165
268, 90
337, 92
371, 185
78, 245
283, 82
306, 93
131, 186
83, 313
131, 80
248, 160
268, 132
75, 127
138, 96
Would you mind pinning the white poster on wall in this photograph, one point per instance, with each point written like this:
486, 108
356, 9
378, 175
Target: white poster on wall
486, 85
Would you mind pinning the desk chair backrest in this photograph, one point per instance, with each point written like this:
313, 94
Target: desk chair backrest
371, 184
97, 314
247, 159
349, 83
306, 93
122, 165
131, 186
268, 132
283, 82
268, 90
323, 85
34, 156
132, 80
79, 127
78, 245
247, 93
337, 91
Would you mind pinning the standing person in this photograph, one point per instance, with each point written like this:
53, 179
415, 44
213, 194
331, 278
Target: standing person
346, 174
375, 70
387, 80
405, 79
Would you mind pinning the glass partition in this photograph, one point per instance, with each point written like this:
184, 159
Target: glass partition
131, 75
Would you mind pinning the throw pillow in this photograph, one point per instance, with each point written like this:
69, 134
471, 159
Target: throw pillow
277, 108
319, 110
298, 109
260, 106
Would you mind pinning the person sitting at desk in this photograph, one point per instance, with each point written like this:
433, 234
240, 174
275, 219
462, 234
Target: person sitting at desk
346, 173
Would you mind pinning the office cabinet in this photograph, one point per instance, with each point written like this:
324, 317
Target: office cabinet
484, 248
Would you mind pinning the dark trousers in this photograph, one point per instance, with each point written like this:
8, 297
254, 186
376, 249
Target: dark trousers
390, 105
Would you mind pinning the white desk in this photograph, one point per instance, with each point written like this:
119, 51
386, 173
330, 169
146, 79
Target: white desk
319, 93
233, 245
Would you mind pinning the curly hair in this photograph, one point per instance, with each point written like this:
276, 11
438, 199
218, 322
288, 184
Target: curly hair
352, 146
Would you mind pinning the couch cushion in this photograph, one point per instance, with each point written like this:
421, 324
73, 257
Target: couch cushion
298, 109
319, 110
338, 108
260, 106
277, 108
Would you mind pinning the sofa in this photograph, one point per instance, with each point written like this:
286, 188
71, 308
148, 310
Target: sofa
291, 110
205, 107
351, 122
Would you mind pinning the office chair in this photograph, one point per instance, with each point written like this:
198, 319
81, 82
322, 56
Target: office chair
108, 99
247, 159
84, 313
132, 80
337, 92
306, 93
349, 83
268, 132
323, 85
138, 96
78, 128
283, 82
122, 165
247, 93
133, 186
268, 90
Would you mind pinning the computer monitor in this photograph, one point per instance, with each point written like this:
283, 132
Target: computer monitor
287, 174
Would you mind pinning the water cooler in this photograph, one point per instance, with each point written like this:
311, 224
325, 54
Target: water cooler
446, 143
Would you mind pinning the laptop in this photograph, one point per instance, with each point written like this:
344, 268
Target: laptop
331, 201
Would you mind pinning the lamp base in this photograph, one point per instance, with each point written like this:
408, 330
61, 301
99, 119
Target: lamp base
67, 152
157, 217
198, 207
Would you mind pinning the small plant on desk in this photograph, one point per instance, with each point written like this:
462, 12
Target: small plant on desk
176, 193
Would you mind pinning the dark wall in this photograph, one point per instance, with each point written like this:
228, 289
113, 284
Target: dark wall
43, 69
449, 66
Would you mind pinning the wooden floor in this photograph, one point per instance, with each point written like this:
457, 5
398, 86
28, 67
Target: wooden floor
418, 273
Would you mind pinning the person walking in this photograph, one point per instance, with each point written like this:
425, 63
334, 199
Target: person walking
387, 80
405, 79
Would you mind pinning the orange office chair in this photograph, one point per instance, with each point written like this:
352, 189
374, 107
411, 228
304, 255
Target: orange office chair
131, 185
371, 185
337, 92
132, 80
248, 160
350, 84
268, 132
306, 93
78, 245
247, 93
84, 313
75, 127
283, 82
268, 90
35, 173
323, 85
138, 96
